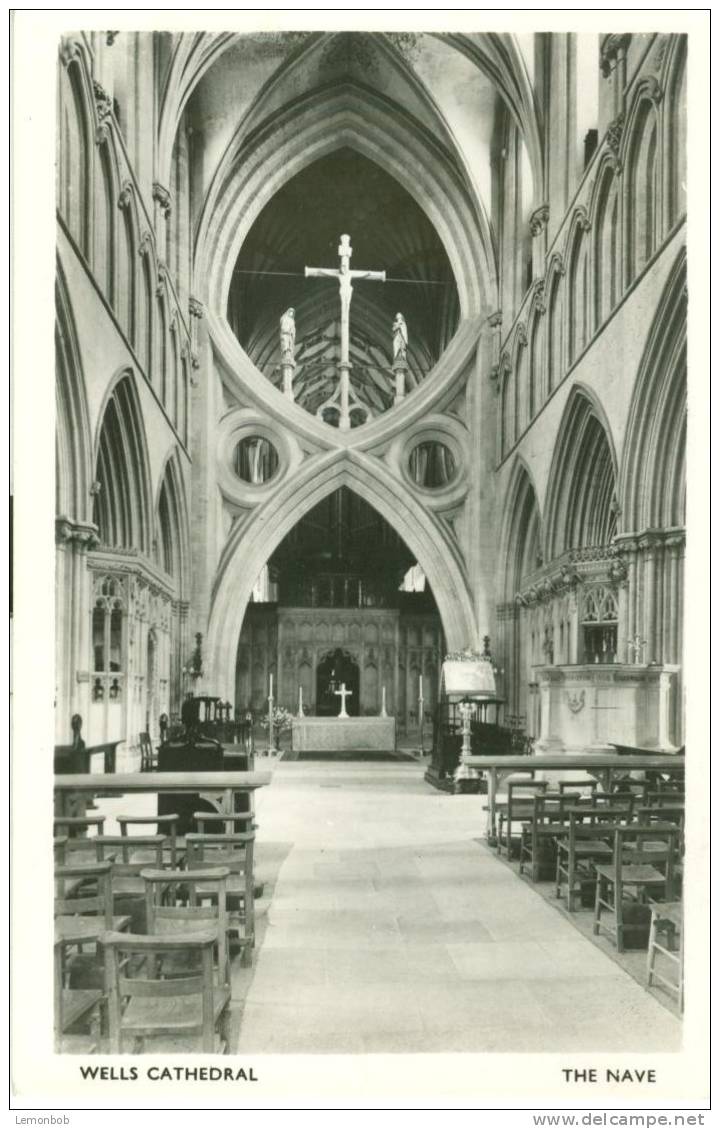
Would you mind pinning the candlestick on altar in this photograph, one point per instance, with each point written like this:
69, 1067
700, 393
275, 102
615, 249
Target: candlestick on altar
421, 714
271, 719
466, 712
301, 711
383, 711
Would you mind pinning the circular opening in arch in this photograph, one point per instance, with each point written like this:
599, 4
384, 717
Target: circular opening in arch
432, 465
255, 460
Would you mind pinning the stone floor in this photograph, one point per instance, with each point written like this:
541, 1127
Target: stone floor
386, 927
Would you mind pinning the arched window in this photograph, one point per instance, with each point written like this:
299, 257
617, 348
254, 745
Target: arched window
73, 157
606, 257
126, 276
535, 368
105, 226
166, 541
120, 508
642, 190
555, 360
577, 295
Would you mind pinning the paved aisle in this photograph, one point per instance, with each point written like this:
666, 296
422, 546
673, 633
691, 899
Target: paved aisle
391, 929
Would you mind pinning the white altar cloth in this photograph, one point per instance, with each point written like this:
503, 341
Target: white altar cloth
334, 734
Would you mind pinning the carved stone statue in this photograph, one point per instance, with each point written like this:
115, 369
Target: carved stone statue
400, 340
287, 336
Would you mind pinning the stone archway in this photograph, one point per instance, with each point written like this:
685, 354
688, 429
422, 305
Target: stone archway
248, 550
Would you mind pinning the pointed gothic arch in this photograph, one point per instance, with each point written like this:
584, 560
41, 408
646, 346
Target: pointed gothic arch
652, 474
122, 503
172, 523
246, 552
581, 506
74, 458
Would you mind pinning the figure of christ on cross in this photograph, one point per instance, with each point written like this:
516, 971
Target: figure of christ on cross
342, 693
345, 278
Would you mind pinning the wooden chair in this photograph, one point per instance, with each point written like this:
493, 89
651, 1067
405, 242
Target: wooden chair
73, 1007
581, 787
518, 808
240, 822
589, 830
130, 855
635, 869
549, 821
144, 1004
75, 830
182, 901
165, 825
148, 757
667, 921
236, 852
85, 913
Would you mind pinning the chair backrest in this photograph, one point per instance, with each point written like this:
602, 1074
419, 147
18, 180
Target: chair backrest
221, 822
125, 978
236, 852
125, 865
520, 796
638, 843
659, 799
75, 828
585, 785
59, 849
182, 900
167, 825
98, 900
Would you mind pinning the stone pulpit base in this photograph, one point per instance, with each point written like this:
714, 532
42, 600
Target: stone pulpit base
337, 734
593, 708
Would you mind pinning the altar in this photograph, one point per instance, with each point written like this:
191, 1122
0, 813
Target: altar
338, 734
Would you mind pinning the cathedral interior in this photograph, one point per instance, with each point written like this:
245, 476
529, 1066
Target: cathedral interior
262, 484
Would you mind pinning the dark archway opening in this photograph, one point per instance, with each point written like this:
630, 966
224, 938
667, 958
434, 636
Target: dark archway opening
343, 193
336, 670
341, 592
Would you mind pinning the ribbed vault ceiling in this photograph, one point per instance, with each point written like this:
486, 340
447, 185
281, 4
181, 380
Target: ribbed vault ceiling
301, 226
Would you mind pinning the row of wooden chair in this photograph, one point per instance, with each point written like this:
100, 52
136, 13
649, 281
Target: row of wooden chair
625, 849
197, 897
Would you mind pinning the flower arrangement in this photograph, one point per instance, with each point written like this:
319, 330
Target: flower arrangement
282, 720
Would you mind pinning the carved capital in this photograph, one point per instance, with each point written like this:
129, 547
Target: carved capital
125, 195
82, 534
613, 138
102, 134
611, 49
538, 298
161, 280
162, 197
556, 264
195, 308
521, 334
110, 37
539, 219
495, 320
103, 101
70, 49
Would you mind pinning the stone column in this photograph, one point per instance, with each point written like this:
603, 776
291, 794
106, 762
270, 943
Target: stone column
399, 370
287, 368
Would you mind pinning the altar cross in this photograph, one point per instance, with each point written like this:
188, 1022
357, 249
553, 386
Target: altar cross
636, 649
344, 393
342, 693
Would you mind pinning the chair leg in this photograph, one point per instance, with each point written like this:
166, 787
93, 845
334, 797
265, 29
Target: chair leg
651, 950
598, 910
619, 927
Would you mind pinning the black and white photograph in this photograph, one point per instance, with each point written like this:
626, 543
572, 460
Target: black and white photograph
360, 527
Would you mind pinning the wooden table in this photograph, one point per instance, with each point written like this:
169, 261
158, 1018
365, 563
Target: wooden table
220, 788
602, 765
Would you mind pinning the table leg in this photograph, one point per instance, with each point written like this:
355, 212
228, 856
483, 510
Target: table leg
492, 792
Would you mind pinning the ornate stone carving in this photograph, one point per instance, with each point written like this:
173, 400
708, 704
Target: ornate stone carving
499, 371
110, 37
575, 701
195, 308
145, 245
556, 264
162, 196
611, 48
495, 320
125, 194
83, 534
538, 298
539, 219
102, 134
70, 49
161, 279
521, 336
103, 101
613, 138
654, 89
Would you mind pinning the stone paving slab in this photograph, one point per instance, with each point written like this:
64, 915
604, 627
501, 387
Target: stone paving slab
391, 929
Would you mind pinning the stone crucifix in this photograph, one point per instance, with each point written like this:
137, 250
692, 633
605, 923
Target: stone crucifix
342, 693
636, 650
340, 400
